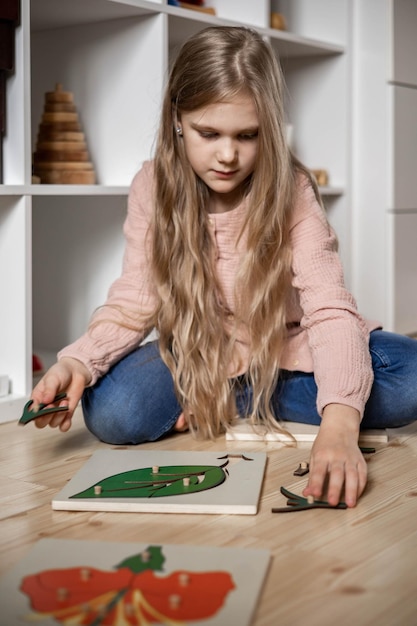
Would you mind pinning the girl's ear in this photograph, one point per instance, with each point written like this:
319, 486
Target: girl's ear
176, 117
177, 123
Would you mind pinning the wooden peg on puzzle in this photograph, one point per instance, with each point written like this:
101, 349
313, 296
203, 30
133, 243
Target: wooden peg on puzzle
62, 594
85, 574
145, 556
184, 579
174, 601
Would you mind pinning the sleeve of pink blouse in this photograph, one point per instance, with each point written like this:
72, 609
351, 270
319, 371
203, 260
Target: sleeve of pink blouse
338, 336
114, 329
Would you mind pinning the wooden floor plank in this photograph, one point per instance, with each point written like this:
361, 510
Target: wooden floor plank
346, 567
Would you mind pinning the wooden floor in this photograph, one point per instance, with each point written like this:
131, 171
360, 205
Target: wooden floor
356, 567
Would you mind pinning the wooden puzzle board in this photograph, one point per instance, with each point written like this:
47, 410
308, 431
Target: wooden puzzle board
243, 431
233, 489
236, 574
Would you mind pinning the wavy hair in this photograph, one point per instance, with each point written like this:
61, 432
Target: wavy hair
197, 345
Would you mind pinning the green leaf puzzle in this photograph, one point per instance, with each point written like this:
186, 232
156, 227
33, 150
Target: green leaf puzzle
148, 483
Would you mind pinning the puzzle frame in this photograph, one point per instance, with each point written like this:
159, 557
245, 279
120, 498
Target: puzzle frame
234, 482
180, 566
243, 430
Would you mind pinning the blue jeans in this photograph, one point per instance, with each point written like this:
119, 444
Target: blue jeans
135, 401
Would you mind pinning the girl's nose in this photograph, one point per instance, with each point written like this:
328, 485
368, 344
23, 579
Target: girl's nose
227, 152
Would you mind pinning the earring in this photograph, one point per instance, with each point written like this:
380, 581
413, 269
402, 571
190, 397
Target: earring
179, 131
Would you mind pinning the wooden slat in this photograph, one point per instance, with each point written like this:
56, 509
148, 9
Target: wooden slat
343, 567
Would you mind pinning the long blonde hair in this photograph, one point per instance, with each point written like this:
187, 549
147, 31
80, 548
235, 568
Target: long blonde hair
215, 65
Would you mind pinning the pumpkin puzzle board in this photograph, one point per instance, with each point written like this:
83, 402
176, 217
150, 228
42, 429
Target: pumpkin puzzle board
66, 581
155, 481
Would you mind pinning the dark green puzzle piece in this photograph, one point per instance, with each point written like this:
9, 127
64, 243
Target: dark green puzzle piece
29, 415
167, 481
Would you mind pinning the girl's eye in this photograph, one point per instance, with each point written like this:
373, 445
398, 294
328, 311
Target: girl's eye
213, 135
249, 137
207, 135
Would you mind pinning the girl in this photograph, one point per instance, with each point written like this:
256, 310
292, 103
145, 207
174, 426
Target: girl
229, 256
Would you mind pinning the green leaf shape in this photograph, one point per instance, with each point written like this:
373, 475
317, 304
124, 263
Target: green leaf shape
168, 481
298, 503
151, 558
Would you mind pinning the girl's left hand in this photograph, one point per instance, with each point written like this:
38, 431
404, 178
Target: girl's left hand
336, 462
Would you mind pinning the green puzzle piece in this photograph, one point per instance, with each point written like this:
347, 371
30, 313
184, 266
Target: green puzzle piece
44, 409
146, 483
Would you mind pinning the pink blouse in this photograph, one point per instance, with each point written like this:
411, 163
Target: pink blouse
327, 335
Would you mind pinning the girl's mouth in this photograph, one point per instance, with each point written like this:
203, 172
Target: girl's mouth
224, 175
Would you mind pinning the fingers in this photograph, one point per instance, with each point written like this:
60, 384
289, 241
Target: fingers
62, 421
58, 419
317, 479
338, 480
52, 420
337, 467
48, 388
67, 376
43, 396
355, 481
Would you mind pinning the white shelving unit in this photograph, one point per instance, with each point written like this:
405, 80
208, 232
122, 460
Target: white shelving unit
385, 162
61, 246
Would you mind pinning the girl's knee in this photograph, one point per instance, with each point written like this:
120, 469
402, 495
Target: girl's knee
125, 422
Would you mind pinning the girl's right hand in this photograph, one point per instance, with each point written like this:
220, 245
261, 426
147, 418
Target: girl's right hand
67, 375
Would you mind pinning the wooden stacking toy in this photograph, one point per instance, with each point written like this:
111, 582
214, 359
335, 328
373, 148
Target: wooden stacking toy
61, 155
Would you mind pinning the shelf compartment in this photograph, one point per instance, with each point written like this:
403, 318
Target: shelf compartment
15, 286
184, 23
64, 190
289, 45
117, 91
78, 247
53, 14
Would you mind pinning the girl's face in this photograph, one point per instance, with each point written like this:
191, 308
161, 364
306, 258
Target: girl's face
221, 144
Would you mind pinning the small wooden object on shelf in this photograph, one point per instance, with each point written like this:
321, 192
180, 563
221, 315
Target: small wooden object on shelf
61, 155
278, 21
321, 176
194, 7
